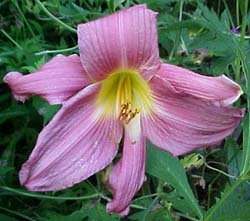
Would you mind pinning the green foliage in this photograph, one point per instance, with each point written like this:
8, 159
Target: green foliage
7, 218
170, 170
235, 207
192, 33
153, 214
44, 109
93, 211
192, 160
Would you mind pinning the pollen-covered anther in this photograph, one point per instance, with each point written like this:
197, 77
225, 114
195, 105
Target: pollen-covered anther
126, 113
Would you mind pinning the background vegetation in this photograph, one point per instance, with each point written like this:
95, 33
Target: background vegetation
209, 185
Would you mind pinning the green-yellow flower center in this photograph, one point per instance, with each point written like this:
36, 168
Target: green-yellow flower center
124, 95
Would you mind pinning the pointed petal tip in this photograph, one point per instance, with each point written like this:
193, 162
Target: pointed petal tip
237, 90
183, 123
219, 91
55, 81
127, 175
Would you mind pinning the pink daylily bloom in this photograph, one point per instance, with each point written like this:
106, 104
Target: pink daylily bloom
118, 88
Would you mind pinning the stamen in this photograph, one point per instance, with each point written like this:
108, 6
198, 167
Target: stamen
126, 113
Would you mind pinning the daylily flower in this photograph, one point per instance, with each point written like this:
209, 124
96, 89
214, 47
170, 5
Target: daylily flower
118, 88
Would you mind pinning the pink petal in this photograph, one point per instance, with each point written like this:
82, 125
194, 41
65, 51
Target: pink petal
76, 144
124, 40
128, 175
220, 91
181, 123
55, 81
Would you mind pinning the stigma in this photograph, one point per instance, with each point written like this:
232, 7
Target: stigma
126, 113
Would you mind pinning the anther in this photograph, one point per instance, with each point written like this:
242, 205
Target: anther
126, 113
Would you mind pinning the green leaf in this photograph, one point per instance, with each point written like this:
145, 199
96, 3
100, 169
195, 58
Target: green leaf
234, 208
5, 170
246, 123
158, 214
7, 157
12, 112
234, 157
169, 169
7, 218
44, 109
93, 211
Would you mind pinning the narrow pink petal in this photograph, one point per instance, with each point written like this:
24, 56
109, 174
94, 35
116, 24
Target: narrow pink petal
128, 175
180, 123
76, 144
55, 81
220, 91
124, 40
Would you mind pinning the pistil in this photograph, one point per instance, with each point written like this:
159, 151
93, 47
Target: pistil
124, 95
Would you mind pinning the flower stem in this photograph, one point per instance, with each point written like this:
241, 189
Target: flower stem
187, 217
219, 171
17, 214
41, 196
24, 18
11, 39
242, 59
224, 198
237, 13
150, 208
55, 18
147, 196
242, 39
56, 51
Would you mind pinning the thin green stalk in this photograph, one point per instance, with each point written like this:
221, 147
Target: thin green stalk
228, 13
223, 198
210, 189
242, 60
105, 197
132, 205
246, 124
187, 217
178, 34
181, 10
3, 2
180, 19
17, 214
56, 51
55, 18
40, 196
219, 171
237, 13
245, 37
87, 5
24, 18
246, 143
150, 208
137, 207
11, 39
218, 7
242, 39
147, 196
